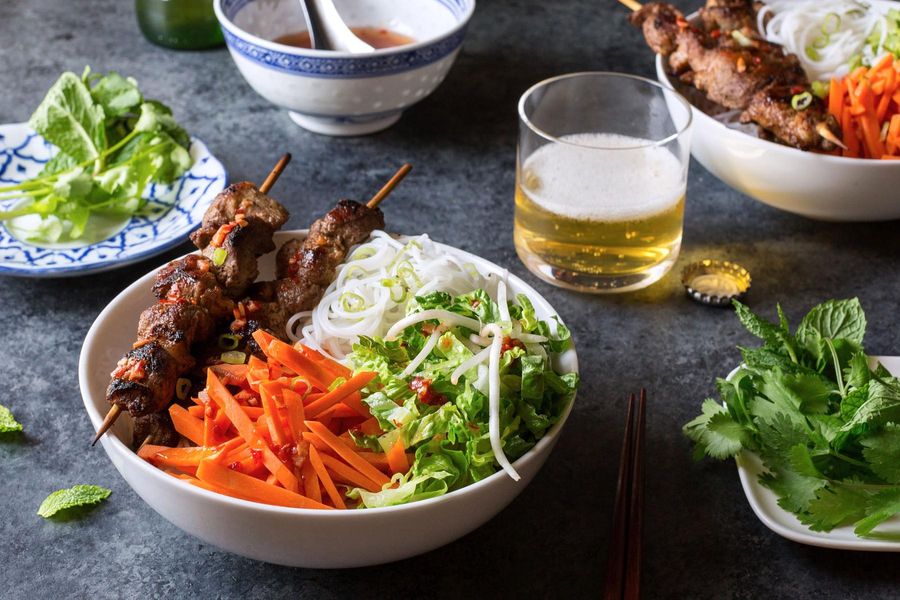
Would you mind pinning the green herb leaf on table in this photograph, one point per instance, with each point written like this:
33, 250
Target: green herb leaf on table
79, 495
825, 425
8, 423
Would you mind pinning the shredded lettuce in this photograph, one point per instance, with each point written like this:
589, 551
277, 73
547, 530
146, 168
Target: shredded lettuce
450, 432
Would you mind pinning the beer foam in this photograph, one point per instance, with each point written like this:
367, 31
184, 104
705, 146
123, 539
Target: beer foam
594, 177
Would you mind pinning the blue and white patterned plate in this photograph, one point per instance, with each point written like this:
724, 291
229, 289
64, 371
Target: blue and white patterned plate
172, 212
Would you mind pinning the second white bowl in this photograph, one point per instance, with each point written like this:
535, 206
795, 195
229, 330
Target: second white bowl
818, 186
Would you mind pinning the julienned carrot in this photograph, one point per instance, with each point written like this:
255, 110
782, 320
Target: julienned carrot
310, 481
273, 418
211, 487
188, 426
349, 474
370, 427
189, 456
863, 103
221, 396
296, 414
836, 98
289, 357
340, 411
354, 384
336, 368
252, 488
397, 457
325, 478
230, 374
346, 453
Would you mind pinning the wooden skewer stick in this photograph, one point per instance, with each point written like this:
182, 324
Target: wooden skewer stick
390, 185
823, 130
275, 173
632, 4
273, 176
108, 421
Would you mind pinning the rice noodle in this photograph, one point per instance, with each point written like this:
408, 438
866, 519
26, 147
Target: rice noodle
824, 34
494, 398
444, 316
470, 363
423, 354
374, 287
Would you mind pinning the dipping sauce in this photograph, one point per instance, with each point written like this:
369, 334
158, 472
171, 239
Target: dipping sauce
377, 37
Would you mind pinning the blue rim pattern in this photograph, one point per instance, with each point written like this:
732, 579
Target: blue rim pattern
176, 211
343, 67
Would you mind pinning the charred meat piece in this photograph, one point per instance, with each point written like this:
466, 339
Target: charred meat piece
771, 109
237, 229
176, 327
305, 268
736, 73
142, 377
190, 280
729, 15
156, 428
243, 197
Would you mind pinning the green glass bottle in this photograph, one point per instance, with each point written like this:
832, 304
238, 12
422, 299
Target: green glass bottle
179, 24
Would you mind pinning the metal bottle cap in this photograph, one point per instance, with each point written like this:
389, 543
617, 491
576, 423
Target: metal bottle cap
715, 282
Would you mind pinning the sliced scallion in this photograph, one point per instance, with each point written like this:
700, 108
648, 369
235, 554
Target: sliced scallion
352, 302
233, 357
831, 23
822, 41
229, 341
218, 256
820, 89
741, 38
813, 54
801, 101
182, 388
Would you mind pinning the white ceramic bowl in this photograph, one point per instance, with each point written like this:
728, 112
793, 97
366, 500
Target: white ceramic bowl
818, 186
337, 93
290, 536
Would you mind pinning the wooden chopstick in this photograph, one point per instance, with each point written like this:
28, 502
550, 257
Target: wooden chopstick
623, 574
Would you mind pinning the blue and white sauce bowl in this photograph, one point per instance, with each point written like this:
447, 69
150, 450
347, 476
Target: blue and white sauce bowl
340, 93
170, 214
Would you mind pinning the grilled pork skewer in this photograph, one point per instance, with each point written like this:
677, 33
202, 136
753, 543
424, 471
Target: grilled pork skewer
305, 268
194, 293
747, 74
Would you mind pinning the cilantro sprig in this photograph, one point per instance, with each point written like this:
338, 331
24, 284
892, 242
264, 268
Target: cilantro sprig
825, 424
112, 143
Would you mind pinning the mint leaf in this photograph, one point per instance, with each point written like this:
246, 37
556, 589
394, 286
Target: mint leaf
880, 507
881, 406
79, 495
8, 423
834, 319
882, 451
769, 332
71, 120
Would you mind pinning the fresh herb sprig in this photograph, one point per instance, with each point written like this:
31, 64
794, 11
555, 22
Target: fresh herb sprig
112, 143
825, 425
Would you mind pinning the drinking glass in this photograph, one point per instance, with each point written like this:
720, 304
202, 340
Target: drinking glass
601, 173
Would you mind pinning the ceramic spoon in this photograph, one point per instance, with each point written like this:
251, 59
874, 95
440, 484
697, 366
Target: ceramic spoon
327, 31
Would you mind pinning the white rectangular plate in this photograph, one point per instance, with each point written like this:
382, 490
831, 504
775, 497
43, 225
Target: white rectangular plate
764, 503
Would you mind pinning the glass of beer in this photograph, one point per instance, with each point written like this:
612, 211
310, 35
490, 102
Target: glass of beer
601, 173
